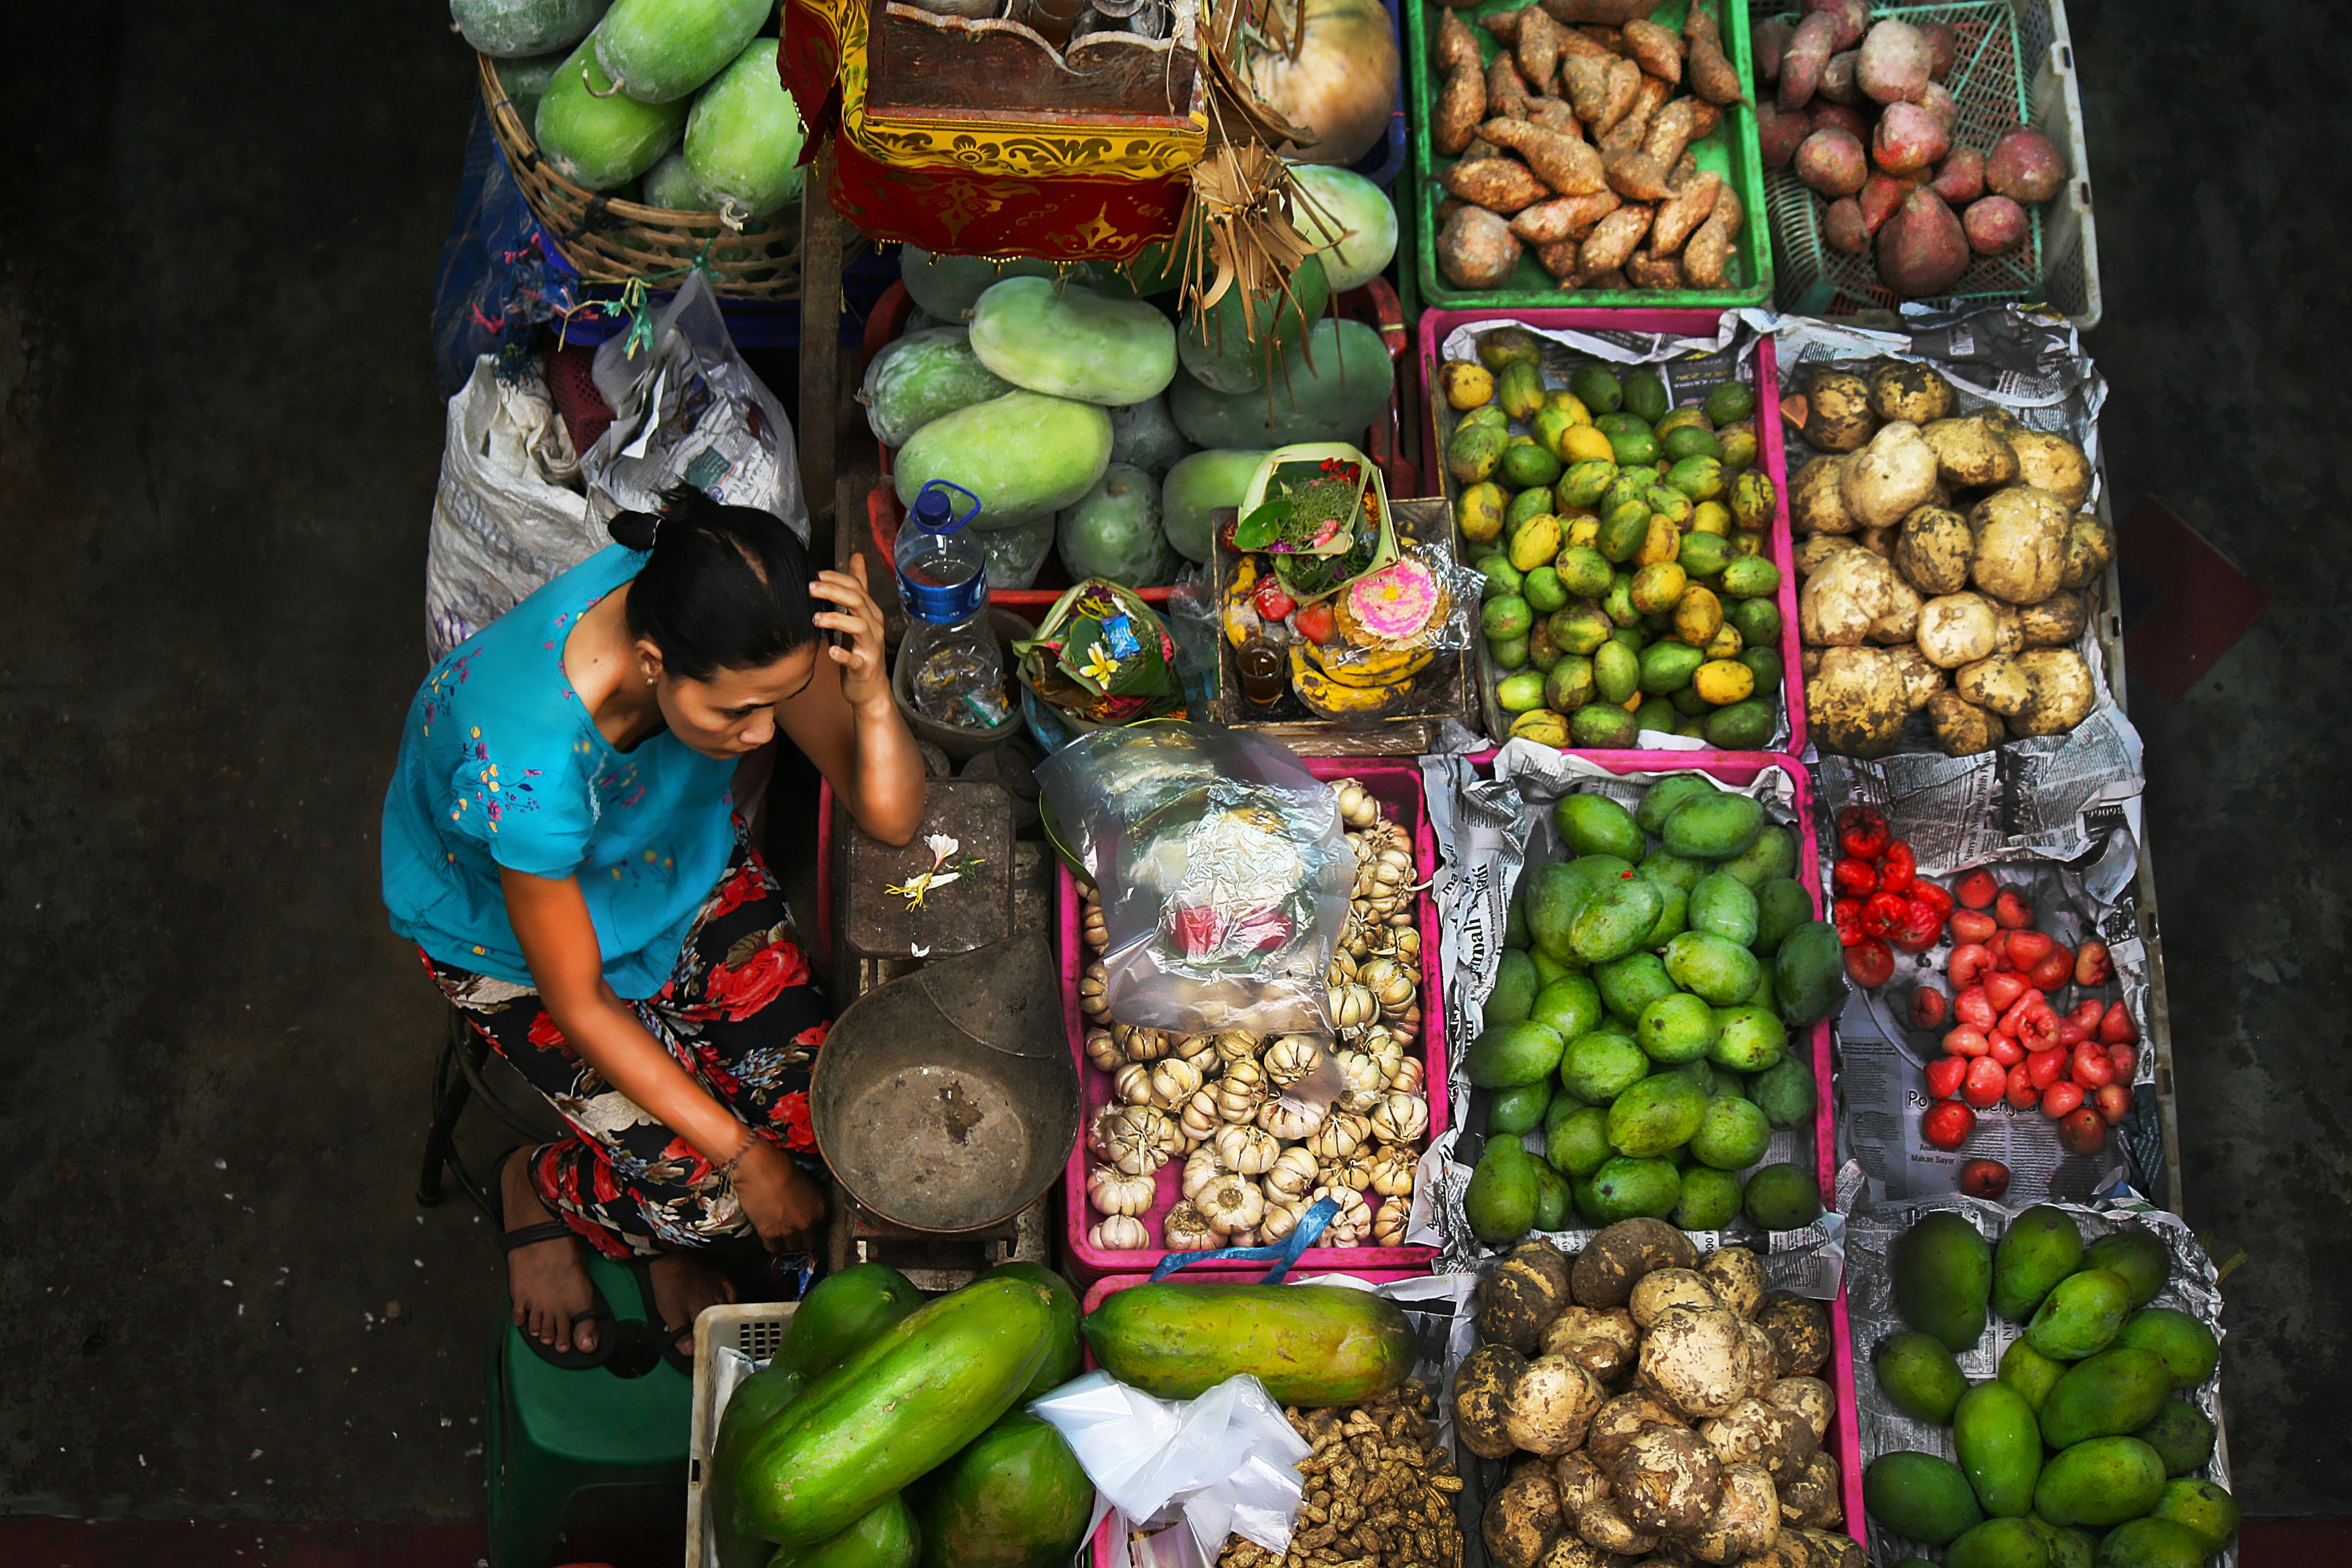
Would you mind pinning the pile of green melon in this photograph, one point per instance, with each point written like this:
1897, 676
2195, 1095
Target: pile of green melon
674, 102
1088, 414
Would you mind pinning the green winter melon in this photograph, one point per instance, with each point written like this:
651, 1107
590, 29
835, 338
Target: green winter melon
1362, 233
922, 376
743, 138
1113, 530
1195, 488
1338, 380
660, 51
594, 136
524, 80
1014, 1498
1024, 455
948, 287
1066, 340
1142, 434
671, 184
1232, 347
508, 28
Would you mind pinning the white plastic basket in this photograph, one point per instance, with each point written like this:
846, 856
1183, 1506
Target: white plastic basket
2028, 68
755, 1331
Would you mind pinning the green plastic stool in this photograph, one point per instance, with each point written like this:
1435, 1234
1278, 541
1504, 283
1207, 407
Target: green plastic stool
554, 1433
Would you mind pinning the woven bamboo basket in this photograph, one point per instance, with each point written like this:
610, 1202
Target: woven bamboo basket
615, 241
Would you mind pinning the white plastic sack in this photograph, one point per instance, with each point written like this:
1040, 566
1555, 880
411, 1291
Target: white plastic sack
504, 520
689, 409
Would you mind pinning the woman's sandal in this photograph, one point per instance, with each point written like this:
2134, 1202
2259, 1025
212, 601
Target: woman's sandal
599, 1311
681, 1359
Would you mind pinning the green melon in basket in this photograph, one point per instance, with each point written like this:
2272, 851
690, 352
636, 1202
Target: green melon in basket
743, 138
671, 184
660, 51
1113, 530
1064, 339
1195, 488
1362, 227
594, 136
1024, 455
1330, 387
922, 376
948, 287
524, 79
508, 28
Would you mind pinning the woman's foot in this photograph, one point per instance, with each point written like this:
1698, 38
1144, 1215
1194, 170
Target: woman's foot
546, 1280
684, 1284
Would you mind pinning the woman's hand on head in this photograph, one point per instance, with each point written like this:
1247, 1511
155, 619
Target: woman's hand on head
865, 675
779, 1200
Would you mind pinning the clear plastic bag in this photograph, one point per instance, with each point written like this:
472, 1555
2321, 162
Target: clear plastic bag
1225, 873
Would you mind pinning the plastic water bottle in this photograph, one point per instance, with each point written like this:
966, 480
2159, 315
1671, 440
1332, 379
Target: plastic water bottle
958, 671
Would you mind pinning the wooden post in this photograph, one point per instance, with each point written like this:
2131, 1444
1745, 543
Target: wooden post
820, 345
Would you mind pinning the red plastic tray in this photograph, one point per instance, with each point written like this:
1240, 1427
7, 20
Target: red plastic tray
1771, 453
1375, 304
1397, 785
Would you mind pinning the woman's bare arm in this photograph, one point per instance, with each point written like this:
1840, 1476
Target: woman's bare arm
847, 723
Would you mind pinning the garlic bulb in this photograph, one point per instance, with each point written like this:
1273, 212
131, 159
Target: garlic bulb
1357, 806
1400, 1119
1405, 1077
1389, 1222
1186, 1229
1236, 1046
1093, 1001
1102, 1050
1230, 1203
1289, 1120
1136, 1138
1243, 1238
1137, 1044
1290, 1059
1353, 1007
1342, 971
1174, 1080
1132, 1084
1405, 948
1291, 1176
1112, 1191
1391, 986
1199, 1118
1361, 1081
1354, 1172
1246, 1148
1340, 1134
1281, 1218
1202, 1166
1241, 1092
1393, 1167
1196, 1051
1118, 1233
1383, 1044
1348, 1226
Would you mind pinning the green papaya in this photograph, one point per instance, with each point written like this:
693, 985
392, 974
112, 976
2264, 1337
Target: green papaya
2041, 1246
1943, 1273
1015, 1496
1237, 344
1063, 1356
1923, 1496
883, 1536
842, 1313
1314, 1345
1999, 1447
506, 28
948, 287
1330, 386
1113, 530
2081, 1316
1024, 455
756, 1401
2101, 1482
1195, 486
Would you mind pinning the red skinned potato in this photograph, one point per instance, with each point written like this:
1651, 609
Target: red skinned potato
1837, 79
1880, 194
1807, 56
1943, 48
1896, 63
1844, 229
1939, 101
1908, 140
1770, 41
1960, 180
1922, 249
2024, 166
1852, 17
1994, 225
1777, 133
1476, 250
1832, 163
1828, 116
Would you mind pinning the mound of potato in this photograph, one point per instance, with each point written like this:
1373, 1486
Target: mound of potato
1948, 566
1658, 1404
1574, 142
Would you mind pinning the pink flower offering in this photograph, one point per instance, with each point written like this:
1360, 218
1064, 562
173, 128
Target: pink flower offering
1395, 603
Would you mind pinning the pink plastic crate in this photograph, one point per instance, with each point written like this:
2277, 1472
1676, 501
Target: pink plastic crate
1771, 452
1397, 785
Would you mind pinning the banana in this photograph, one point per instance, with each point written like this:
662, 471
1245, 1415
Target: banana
1241, 620
1331, 700
1352, 666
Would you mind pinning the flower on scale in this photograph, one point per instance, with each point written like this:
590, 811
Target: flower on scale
946, 867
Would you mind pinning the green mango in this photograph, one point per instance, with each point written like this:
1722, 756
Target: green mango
1568, 685
1579, 1144
1943, 1272
1520, 1108
2110, 1394
1507, 1055
2041, 1246
1918, 1374
1510, 654
1732, 1136
1675, 1027
1722, 972
1570, 1004
1585, 573
1783, 1196
1552, 1198
1750, 577
1669, 665
1999, 1543
1520, 388
2152, 1543
2190, 1352
1548, 968
1599, 1067
1685, 442
1702, 555
1782, 906
1729, 402
1597, 388
1628, 1188
2101, 1482
1595, 825
1739, 727
1622, 532
1615, 920
1543, 591
1633, 448
1714, 828
1785, 1093
1672, 869
2030, 1372
1772, 854
1584, 483
2204, 1508
1553, 894
1508, 615
2068, 1548
2182, 1436
1475, 450
1646, 394
1709, 1199
1674, 917
1999, 1447
1526, 504
2135, 1254
1698, 477
1722, 905
1922, 1497
2080, 1316
1525, 463
1809, 974
1500, 1200
1629, 984
1514, 995
1748, 1038
1618, 605
1522, 693
1602, 727
1658, 1113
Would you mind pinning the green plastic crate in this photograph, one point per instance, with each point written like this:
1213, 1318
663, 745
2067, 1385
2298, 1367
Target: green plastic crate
1730, 149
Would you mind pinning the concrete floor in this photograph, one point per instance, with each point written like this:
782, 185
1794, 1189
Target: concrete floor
218, 441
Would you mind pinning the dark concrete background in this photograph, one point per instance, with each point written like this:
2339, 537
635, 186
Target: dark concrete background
218, 441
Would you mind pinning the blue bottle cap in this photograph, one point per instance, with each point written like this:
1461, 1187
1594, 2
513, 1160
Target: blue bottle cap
934, 512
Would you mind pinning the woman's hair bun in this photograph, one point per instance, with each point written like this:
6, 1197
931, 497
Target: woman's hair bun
634, 529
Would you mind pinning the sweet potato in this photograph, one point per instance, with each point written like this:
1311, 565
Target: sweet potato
1457, 44
1584, 79
1649, 96
1476, 250
2024, 166
1499, 184
1558, 258
1943, 48
1712, 75
1674, 127
1921, 249
1828, 116
1652, 272
1769, 42
1880, 194
1571, 167
1553, 115
1537, 47
1852, 17
1959, 180
1804, 59
1580, 41
1837, 79
1896, 63
1460, 105
1682, 212
1706, 259
1505, 25
1636, 175
1939, 101
1994, 224
1507, 94
1779, 133
1832, 163
1614, 280
1843, 227
1626, 81
1907, 138
1614, 239
1563, 217
1659, 50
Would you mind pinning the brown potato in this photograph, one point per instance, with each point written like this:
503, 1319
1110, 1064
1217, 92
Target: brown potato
1959, 179
2020, 544
1603, 1524
1779, 132
1832, 162
1807, 1398
1691, 1359
1933, 549
1921, 678
1579, 1479
1957, 629
2056, 622
1617, 1258
1856, 702
1523, 1295
1847, 596
1837, 411
1800, 1329
1998, 683
1817, 498
1832, 1551
1908, 140
1900, 624
1811, 1497
1551, 1406
1603, 1344
1666, 1481
1995, 226
1756, 1431
1614, 239
1522, 1519
1663, 1288
1481, 1395
2052, 463
1815, 548
1683, 211
1708, 258
2025, 166
1736, 1275
1759, 1362
2090, 545
1900, 389
1961, 728
1891, 477
2009, 628
1476, 250
2059, 691
1972, 452
1620, 1420
1746, 1518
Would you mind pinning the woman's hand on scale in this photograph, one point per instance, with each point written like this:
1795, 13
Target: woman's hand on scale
778, 1197
864, 677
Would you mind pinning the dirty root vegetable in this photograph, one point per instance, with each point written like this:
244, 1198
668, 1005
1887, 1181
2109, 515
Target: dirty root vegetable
1832, 162
2024, 166
1779, 133
1501, 186
1476, 250
1856, 700
1907, 138
1889, 479
1712, 75
1896, 63
1708, 258
1995, 226
1971, 453
1844, 228
1806, 56
1838, 417
1922, 249
1959, 180
2020, 543
2051, 463
1569, 166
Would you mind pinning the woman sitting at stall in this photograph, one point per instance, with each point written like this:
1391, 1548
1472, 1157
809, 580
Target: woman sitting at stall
559, 842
